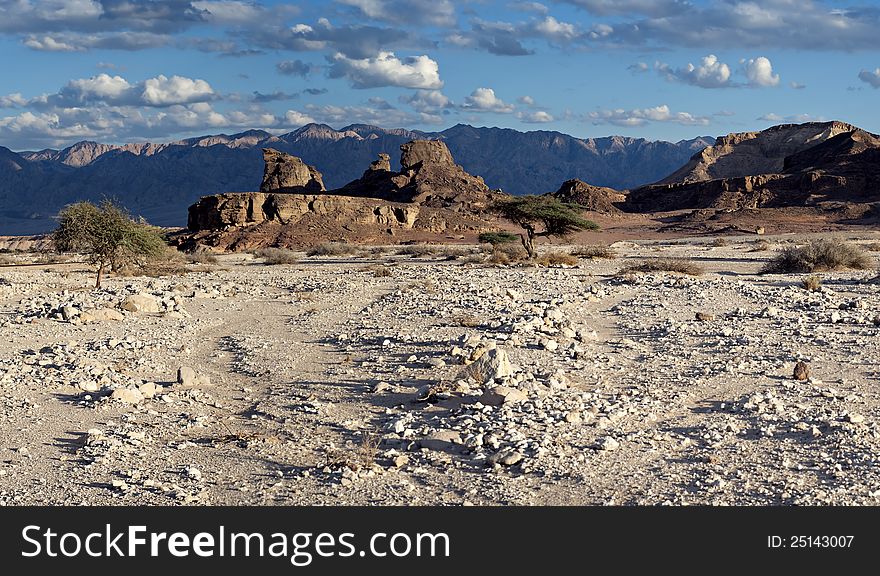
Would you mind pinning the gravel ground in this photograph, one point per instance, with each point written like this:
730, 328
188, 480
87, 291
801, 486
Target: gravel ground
447, 382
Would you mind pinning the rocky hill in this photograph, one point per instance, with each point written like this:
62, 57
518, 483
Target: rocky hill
750, 153
792, 165
159, 181
593, 198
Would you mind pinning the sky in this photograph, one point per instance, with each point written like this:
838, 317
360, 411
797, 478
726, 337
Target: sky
119, 71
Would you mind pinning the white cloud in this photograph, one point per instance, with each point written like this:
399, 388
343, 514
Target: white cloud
295, 118
797, 85
872, 78
553, 29
485, 100
100, 87
427, 101
14, 100
535, 117
642, 116
50, 44
709, 73
527, 100
163, 91
759, 71
388, 70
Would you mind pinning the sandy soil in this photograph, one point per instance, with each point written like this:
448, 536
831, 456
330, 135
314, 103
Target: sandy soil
332, 385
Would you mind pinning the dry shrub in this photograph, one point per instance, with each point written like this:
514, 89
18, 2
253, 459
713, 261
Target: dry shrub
676, 265
169, 262
273, 256
594, 252
812, 284
557, 259
379, 271
507, 254
819, 256
873, 247
719, 243
201, 257
420, 250
333, 249
760, 246
360, 456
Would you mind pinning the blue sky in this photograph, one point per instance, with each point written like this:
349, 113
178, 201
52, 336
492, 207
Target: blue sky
136, 70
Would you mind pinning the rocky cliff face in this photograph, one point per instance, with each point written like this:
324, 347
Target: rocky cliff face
749, 153
827, 164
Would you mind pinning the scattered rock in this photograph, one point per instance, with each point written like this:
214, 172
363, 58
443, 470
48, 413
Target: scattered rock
500, 395
141, 304
188, 378
801, 371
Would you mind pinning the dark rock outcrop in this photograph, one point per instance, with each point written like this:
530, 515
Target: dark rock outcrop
594, 198
286, 173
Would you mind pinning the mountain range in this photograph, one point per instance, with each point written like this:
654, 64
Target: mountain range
160, 181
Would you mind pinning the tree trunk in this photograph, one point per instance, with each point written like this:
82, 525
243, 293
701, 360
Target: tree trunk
100, 274
528, 242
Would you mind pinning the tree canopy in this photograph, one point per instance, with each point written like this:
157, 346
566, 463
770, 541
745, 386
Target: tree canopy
543, 216
106, 234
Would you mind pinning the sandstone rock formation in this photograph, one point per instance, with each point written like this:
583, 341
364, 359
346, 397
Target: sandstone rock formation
807, 165
432, 195
594, 198
286, 173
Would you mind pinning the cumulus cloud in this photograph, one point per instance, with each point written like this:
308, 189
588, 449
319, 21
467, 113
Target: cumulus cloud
759, 71
642, 116
485, 100
105, 89
294, 68
638, 67
869, 77
535, 117
355, 41
163, 91
276, 96
296, 119
386, 69
709, 73
427, 101
527, 100
553, 29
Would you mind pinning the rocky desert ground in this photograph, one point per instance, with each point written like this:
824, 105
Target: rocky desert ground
386, 378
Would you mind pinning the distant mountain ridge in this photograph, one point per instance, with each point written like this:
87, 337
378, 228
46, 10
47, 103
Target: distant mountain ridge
160, 180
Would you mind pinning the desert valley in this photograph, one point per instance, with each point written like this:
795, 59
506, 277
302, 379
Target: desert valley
385, 339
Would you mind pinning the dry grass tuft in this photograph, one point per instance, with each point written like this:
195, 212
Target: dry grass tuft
819, 256
201, 257
379, 271
274, 256
675, 265
812, 284
594, 252
557, 259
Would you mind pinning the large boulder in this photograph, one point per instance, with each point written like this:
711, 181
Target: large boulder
421, 152
286, 173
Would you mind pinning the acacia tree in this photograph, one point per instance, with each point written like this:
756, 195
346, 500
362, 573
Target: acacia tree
542, 216
106, 234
